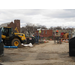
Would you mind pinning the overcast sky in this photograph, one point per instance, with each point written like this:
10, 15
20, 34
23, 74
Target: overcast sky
48, 17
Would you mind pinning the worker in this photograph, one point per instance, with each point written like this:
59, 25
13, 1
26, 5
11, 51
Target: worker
56, 36
57, 31
41, 37
36, 37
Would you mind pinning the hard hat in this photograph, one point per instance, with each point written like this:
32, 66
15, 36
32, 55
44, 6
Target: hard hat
57, 31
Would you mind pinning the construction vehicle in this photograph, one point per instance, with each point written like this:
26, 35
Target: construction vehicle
65, 36
11, 38
30, 38
16, 30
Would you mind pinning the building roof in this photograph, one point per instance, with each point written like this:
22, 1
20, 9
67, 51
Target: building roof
4, 24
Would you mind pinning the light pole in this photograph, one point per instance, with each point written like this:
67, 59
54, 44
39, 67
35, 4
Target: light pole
70, 34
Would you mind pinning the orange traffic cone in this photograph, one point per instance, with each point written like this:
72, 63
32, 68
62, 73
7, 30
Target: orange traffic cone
61, 40
66, 41
50, 39
44, 40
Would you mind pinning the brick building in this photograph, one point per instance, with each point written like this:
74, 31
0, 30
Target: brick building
46, 33
13, 25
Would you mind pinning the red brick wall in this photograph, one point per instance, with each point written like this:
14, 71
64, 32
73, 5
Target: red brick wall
49, 33
46, 33
12, 25
15, 24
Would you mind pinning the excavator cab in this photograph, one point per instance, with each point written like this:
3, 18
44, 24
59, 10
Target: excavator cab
7, 31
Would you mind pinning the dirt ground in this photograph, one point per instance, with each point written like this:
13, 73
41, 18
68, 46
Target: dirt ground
40, 54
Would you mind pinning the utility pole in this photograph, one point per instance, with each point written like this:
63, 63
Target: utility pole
70, 34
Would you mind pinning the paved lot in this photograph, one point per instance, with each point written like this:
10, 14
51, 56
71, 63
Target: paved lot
41, 54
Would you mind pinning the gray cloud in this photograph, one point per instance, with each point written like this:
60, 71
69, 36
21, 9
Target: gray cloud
67, 13
33, 12
48, 17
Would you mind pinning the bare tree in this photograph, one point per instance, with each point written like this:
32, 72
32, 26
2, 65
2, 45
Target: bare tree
69, 28
31, 28
43, 27
58, 28
51, 28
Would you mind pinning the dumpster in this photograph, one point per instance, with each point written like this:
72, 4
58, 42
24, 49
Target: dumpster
1, 45
0, 36
1, 49
72, 47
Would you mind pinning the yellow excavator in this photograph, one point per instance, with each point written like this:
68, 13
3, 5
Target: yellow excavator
65, 36
11, 38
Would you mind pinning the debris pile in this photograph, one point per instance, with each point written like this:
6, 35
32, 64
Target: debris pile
30, 44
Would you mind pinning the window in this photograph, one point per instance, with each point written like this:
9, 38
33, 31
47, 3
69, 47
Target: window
42, 32
45, 32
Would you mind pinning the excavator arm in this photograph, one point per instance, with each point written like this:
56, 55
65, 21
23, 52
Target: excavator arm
16, 30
